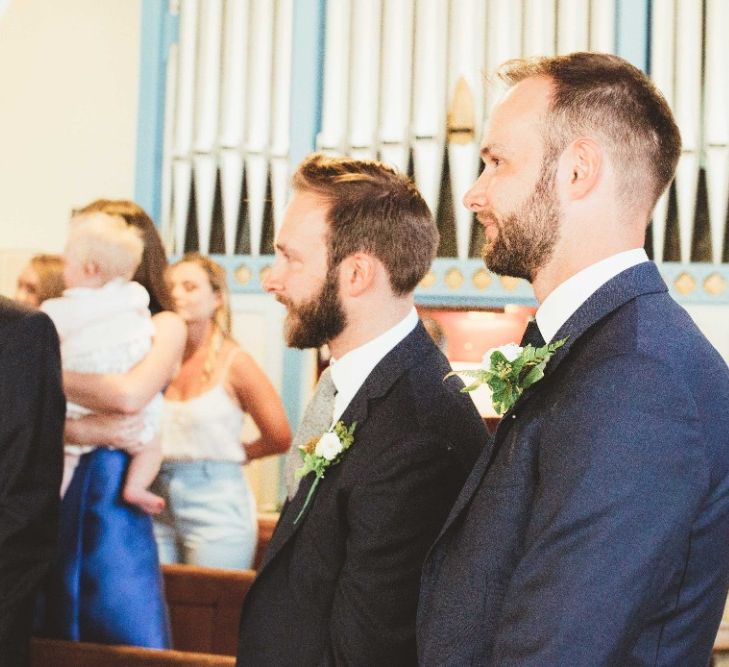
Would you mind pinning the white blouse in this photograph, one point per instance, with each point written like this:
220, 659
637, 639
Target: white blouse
206, 427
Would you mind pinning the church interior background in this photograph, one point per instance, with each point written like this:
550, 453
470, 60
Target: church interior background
199, 110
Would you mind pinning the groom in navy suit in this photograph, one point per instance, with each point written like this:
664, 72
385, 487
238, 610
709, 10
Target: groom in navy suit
340, 579
596, 531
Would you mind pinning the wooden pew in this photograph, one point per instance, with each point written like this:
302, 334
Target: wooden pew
204, 605
57, 653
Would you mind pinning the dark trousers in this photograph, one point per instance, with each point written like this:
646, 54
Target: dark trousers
15, 629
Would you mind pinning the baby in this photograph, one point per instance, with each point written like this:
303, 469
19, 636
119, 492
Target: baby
105, 327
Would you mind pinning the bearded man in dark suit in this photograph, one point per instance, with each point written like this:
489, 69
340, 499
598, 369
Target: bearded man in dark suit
596, 532
339, 582
33, 410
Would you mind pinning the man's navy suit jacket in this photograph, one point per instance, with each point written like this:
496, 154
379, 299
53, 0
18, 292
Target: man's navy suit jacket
341, 585
596, 532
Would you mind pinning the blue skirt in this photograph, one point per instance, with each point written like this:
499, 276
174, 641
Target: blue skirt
106, 585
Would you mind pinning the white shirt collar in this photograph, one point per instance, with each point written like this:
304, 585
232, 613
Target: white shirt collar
350, 372
566, 298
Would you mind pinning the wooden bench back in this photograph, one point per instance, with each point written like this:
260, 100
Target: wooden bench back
58, 653
205, 605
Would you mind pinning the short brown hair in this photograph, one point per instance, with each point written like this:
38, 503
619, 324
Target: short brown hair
604, 94
373, 209
150, 273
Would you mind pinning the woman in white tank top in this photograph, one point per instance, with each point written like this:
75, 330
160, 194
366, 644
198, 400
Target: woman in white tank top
210, 516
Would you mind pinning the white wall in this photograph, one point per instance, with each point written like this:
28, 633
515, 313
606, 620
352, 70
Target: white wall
69, 82
714, 324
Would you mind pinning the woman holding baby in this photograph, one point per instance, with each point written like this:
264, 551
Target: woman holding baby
107, 585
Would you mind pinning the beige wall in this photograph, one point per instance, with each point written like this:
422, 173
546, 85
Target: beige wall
714, 323
69, 82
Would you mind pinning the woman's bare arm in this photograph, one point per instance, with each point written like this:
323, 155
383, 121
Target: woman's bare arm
258, 397
130, 392
112, 429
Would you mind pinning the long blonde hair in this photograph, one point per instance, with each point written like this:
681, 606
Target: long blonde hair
221, 319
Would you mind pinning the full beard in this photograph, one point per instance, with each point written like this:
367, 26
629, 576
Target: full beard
318, 320
526, 238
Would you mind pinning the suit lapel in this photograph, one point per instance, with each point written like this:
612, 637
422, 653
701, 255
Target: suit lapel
378, 383
641, 279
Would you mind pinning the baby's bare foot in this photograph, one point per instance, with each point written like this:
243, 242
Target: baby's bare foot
147, 501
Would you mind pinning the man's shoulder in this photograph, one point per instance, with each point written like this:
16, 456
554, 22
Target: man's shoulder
25, 331
650, 346
414, 362
438, 405
13, 313
11, 310
652, 326
427, 379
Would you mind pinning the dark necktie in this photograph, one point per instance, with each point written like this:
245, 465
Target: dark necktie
532, 335
316, 421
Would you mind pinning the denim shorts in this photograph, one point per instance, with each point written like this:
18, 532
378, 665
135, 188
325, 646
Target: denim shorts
210, 517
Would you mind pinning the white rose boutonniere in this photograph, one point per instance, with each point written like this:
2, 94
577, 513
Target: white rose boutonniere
319, 453
509, 370
511, 352
329, 446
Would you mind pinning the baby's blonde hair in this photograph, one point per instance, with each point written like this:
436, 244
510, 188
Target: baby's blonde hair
107, 240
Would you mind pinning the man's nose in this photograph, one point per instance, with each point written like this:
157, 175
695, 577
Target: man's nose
272, 280
475, 198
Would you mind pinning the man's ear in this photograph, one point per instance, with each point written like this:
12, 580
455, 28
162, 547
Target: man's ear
91, 269
583, 161
357, 273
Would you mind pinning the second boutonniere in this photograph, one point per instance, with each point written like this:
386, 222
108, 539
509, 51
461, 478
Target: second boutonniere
509, 370
320, 453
